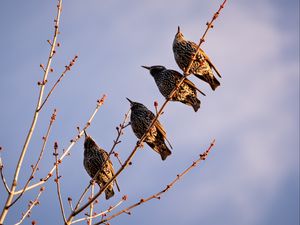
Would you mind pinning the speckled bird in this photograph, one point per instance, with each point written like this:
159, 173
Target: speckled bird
202, 67
95, 159
141, 118
166, 80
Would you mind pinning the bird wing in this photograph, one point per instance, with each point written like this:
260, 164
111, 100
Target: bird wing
189, 83
160, 128
179, 76
209, 62
193, 86
186, 81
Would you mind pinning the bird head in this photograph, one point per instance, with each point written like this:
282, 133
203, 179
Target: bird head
88, 142
154, 70
135, 105
179, 35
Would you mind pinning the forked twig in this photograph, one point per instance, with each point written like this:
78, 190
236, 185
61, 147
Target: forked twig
67, 68
2, 177
56, 180
168, 187
111, 208
30, 206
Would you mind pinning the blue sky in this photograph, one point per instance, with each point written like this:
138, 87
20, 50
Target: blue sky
251, 177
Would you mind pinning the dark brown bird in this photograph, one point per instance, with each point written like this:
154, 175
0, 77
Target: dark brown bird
166, 80
95, 159
202, 66
141, 118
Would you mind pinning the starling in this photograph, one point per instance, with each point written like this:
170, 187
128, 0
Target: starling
201, 67
141, 118
166, 80
95, 159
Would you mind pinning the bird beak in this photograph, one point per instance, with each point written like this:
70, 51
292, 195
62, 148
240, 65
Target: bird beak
178, 30
146, 67
85, 134
131, 102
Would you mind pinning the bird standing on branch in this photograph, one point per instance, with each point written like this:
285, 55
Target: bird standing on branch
95, 161
166, 80
141, 118
201, 67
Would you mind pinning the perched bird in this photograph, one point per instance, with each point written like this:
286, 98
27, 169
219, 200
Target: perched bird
95, 159
202, 66
141, 118
166, 80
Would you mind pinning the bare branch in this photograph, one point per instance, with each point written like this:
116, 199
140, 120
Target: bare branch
168, 187
35, 167
31, 205
142, 139
35, 116
66, 152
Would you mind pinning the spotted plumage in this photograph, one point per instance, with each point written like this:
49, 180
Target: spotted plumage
141, 118
202, 66
95, 159
166, 80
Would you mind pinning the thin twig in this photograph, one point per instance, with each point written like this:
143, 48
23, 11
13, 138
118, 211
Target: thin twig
2, 177
35, 117
66, 152
118, 158
209, 25
120, 132
35, 167
56, 180
111, 208
90, 221
81, 197
67, 68
168, 187
31, 205
142, 139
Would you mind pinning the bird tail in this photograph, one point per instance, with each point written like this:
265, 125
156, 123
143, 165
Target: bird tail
194, 102
164, 151
161, 149
109, 192
210, 79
